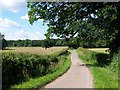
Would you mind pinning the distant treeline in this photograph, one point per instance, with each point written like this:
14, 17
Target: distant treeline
29, 43
75, 43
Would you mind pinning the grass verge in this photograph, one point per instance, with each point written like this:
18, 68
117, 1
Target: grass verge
41, 81
97, 63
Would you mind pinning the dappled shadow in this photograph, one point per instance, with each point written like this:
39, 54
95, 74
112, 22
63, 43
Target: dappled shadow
102, 59
87, 65
8, 49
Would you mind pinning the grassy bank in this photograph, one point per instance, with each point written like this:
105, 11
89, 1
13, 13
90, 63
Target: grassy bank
98, 63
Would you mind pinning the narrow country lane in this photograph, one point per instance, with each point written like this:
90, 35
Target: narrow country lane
78, 76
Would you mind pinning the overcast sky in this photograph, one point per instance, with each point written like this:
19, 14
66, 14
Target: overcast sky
14, 22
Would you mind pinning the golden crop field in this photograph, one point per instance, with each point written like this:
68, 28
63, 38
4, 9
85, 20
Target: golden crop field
35, 50
101, 50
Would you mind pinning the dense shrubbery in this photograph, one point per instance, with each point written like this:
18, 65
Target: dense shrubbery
115, 63
60, 68
20, 67
99, 59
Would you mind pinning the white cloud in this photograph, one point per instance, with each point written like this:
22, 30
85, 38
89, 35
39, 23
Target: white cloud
12, 5
13, 31
6, 23
25, 17
22, 34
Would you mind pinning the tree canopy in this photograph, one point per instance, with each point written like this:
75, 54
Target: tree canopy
87, 21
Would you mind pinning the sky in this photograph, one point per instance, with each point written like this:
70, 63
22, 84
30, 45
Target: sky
14, 22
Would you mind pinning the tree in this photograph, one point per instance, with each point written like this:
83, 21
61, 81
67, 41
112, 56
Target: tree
3, 42
45, 44
87, 21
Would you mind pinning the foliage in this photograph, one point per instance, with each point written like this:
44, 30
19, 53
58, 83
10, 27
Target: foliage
24, 43
73, 42
3, 42
63, 66
114, 66
88, 21
97, 63
46, 44
20, 67
36, 43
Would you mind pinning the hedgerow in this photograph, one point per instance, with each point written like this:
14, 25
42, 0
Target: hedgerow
21, 67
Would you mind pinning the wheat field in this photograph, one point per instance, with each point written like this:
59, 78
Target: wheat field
101, 50
35, 50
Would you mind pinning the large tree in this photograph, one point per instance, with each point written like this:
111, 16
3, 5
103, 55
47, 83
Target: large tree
3, 42
88, 21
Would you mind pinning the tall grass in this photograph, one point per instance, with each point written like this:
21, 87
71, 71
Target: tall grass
98, 63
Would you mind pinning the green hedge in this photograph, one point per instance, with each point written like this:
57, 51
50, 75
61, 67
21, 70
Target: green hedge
114, 66
21, 67
62, 66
